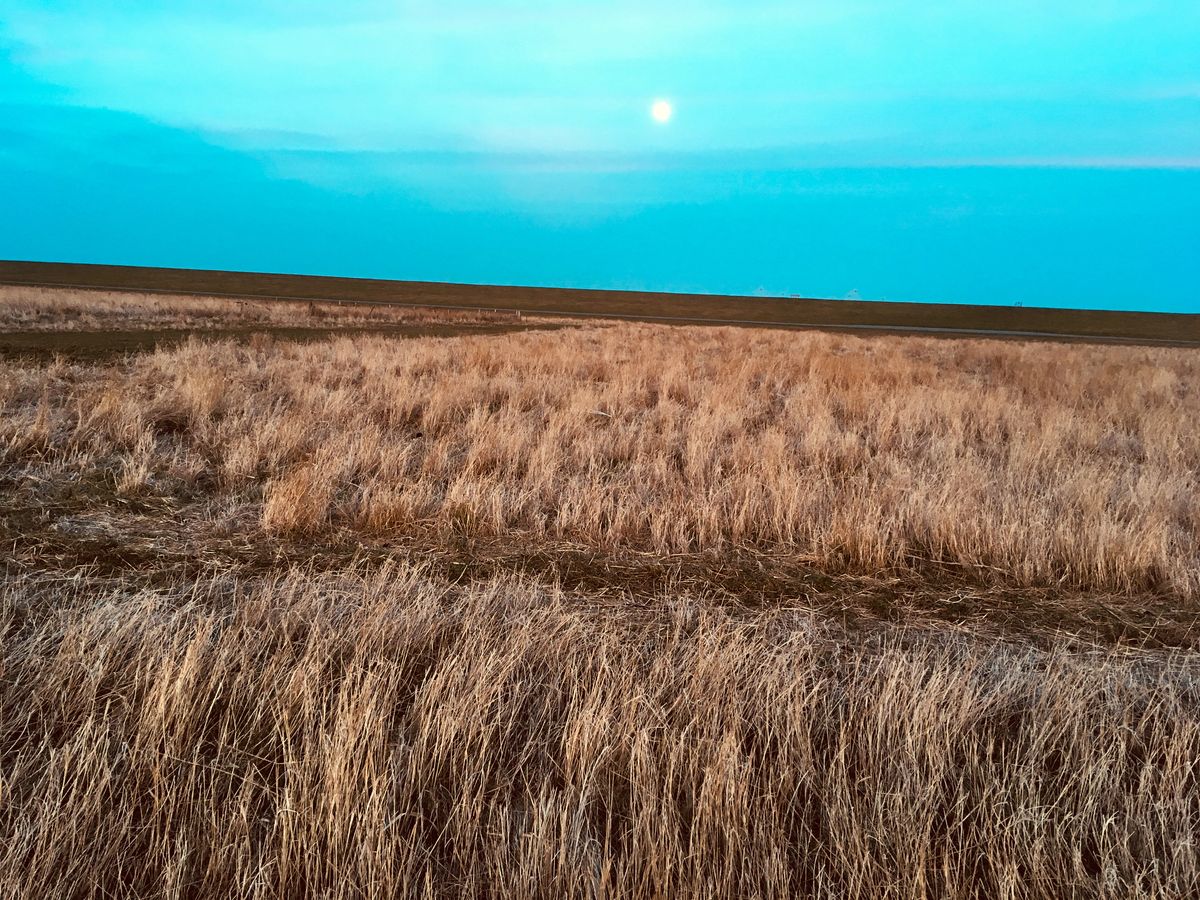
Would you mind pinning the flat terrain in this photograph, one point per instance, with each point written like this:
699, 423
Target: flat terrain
615, 609
101, 324
1122, 326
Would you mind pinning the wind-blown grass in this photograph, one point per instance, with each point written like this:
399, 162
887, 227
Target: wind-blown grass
388, 735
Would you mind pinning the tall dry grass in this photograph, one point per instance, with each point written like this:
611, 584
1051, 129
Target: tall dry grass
385, 735
1020, 464
212, 730
27, 308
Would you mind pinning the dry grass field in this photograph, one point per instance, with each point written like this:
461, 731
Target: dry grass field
1026, 465
613, 611
390, 735
32, 308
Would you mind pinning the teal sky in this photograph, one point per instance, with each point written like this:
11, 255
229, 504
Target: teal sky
1043, 153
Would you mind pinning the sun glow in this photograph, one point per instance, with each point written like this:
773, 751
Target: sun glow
661, 110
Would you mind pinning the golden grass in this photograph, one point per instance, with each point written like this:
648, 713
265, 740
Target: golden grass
25, 308
1017, 464
203, 723
380, 735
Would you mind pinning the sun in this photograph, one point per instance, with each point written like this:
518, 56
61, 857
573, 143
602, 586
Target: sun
661, 110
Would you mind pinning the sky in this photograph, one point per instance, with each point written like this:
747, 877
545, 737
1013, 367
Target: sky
1046, 154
